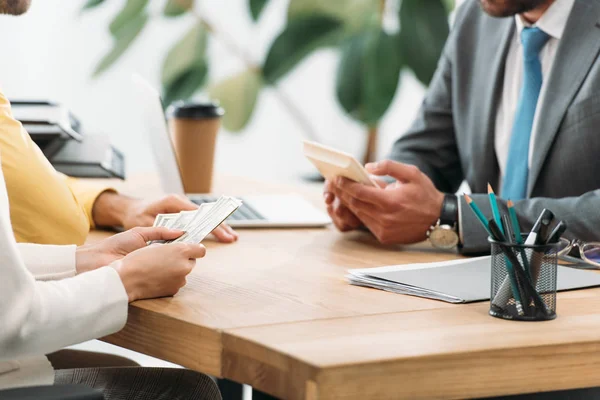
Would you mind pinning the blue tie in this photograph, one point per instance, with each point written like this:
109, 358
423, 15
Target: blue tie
514, 184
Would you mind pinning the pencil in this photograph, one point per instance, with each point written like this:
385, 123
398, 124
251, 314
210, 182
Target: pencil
478, 213
517, 232
508, 229
515, 221
494, 206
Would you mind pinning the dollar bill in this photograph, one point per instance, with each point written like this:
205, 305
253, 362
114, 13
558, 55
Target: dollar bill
204, 224
183, 219
198, 224
188, 219
165, 219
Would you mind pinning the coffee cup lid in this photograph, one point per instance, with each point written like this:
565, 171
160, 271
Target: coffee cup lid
203, 110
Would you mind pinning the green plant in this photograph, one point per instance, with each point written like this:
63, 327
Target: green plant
368, 72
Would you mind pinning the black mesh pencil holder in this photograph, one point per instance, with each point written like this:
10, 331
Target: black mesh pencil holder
523, 281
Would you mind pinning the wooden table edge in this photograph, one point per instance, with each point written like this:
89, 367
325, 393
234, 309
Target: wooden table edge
168, 333
454, 375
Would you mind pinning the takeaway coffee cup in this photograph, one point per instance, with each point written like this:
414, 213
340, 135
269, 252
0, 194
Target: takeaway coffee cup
194, 128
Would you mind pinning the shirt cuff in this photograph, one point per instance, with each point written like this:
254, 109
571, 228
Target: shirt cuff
86, 194
49, 262
115, 296
461, 239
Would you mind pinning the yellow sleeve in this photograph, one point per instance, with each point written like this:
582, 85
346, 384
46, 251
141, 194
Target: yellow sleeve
86, 194
45, 206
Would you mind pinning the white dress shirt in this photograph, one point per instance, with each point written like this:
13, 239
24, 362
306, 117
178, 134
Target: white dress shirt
552, 22
38, 317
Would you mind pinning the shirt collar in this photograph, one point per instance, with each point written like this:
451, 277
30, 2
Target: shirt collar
553, 21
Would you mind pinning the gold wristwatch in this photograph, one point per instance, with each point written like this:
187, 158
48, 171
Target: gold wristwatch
444, 234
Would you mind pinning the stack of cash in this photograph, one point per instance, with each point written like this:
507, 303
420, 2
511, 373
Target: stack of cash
199, 223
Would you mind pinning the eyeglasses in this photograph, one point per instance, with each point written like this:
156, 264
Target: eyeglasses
575, 251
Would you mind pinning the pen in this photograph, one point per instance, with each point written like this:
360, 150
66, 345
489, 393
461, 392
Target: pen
494, 205
544, 234
478, 213
517, 231
544, 215
535, 238
557, 232
515, 222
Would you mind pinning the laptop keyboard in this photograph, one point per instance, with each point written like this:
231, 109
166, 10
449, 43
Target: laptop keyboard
244, 213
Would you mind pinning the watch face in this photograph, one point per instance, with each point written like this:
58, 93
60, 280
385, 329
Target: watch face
443, 237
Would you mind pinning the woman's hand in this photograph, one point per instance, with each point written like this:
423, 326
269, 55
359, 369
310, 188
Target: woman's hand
157, 270
93, 256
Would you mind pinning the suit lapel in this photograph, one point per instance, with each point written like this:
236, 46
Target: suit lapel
576, 53
496, 53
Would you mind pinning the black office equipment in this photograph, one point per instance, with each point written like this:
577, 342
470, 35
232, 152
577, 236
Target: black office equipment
93, 157
59, 135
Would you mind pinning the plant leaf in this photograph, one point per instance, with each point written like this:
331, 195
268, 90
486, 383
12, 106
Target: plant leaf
91, 4
368, 74
423, 33
450, 5
187, 54
175, 8
237, 96
123, 38
348, 84
256, 7
300, 37
352, 12
131, 9
186, 84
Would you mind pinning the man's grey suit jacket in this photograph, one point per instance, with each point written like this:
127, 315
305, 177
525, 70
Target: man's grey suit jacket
452, 138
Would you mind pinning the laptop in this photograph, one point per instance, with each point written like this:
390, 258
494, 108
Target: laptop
257, 211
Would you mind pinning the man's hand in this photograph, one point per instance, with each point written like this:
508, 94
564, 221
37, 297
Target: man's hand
112, 209
97, 255
343, 218
400, 213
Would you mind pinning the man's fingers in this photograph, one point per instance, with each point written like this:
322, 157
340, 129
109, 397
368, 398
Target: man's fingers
401, 172
224, 235
342, 216
359, 207
328, 195
157, 233
174, 203
359, 191
231, 231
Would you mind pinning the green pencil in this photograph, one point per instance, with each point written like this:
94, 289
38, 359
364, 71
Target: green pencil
478, 213
515, 221
494, 206
517, 231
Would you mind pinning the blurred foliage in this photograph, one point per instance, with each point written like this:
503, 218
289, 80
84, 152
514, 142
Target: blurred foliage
238, 94
185, 67
301, 37
175, 8
367, 75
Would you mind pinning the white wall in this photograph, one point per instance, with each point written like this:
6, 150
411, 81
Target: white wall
50, 53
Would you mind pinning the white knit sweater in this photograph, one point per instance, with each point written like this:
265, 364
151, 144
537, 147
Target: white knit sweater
45, 307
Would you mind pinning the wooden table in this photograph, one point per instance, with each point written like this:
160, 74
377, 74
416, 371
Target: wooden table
275, 311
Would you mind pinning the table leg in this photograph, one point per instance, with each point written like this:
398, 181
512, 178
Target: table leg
230, 390
573, 394
258, 395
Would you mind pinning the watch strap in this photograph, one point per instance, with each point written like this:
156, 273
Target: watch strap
449, 213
